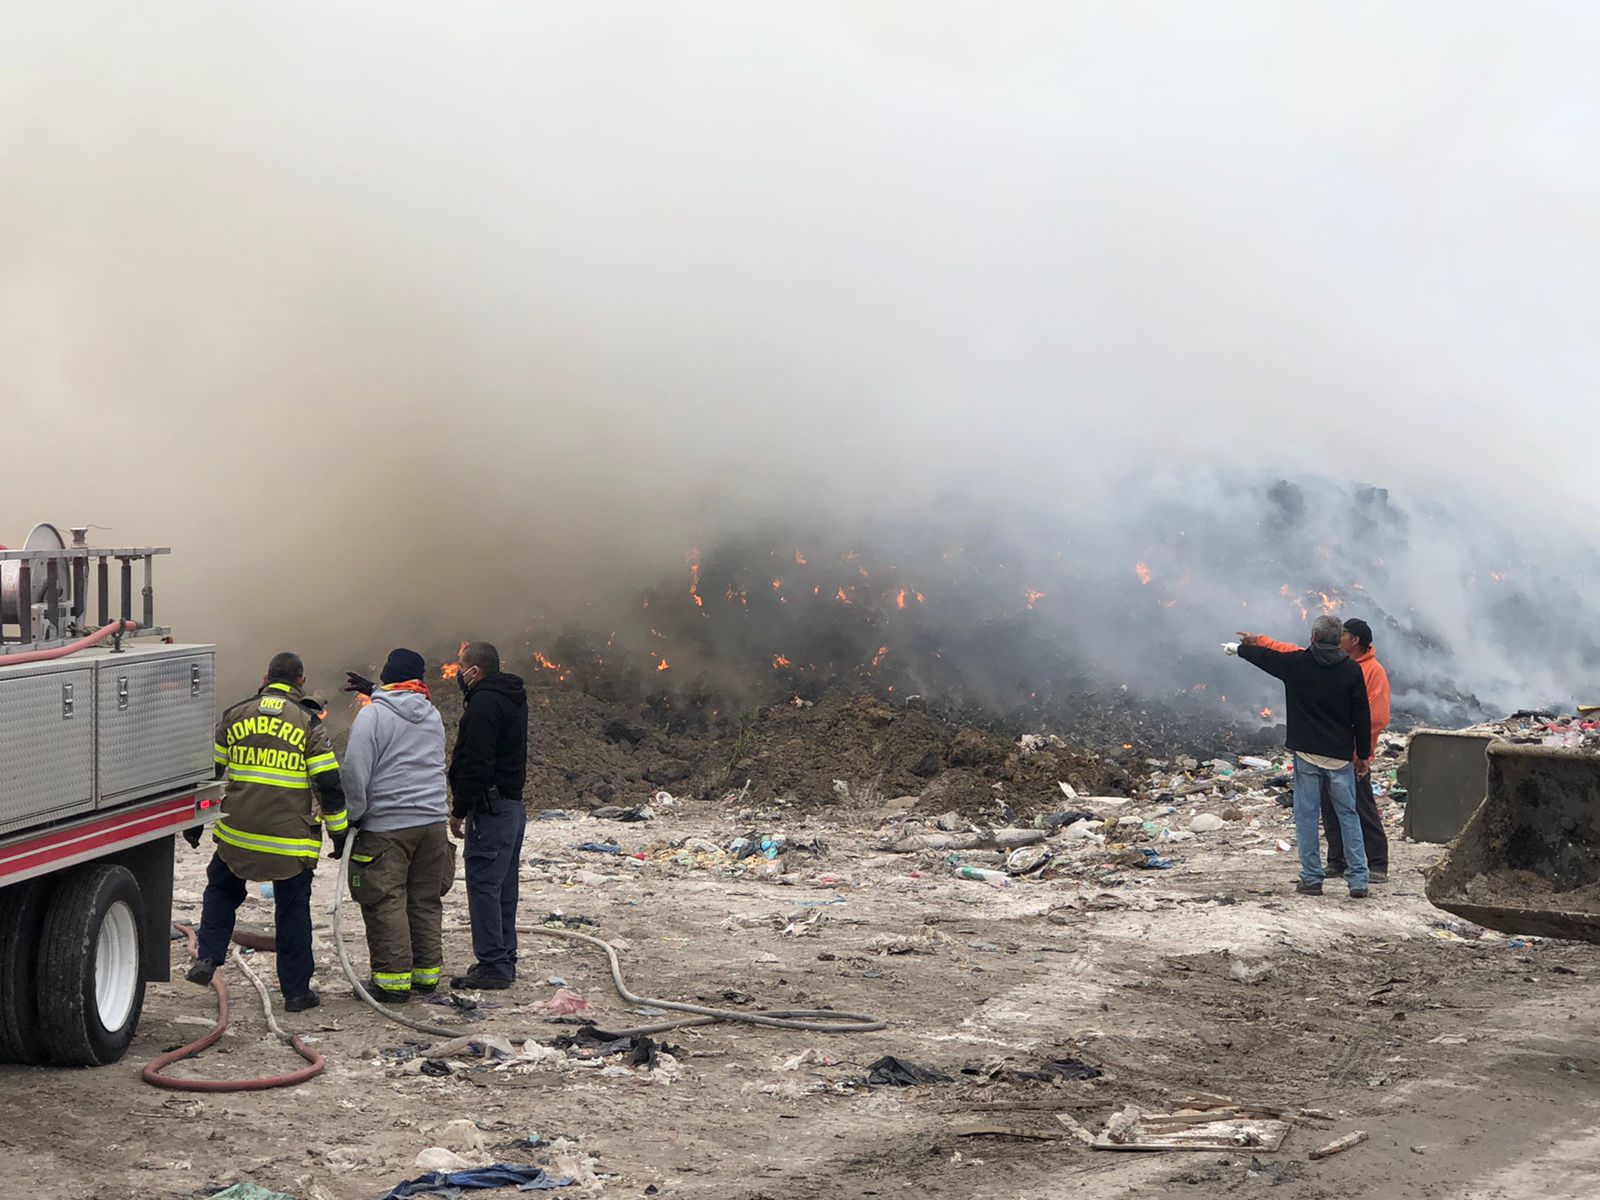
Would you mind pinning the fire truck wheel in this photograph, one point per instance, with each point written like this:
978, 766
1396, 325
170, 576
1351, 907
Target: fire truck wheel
22, 909
90, 970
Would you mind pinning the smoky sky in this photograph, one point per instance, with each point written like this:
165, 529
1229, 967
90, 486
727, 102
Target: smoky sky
398, 321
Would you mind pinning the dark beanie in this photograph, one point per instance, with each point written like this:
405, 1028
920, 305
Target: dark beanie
403, 664
1360, 630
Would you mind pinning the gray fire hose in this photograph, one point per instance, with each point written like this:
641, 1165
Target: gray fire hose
804, 1020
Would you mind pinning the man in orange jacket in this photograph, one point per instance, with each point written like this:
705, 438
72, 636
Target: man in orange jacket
1357, 644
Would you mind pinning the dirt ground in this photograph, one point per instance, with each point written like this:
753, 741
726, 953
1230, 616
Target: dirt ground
1470, 1062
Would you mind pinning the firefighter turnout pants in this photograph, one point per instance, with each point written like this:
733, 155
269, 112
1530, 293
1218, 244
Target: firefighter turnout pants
225, 892
399, 878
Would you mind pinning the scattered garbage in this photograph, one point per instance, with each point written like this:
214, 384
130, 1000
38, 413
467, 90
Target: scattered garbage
1026, 859
564, 1003
997, 879
446, 1182
616, 812
1206, 823
926, 942
599, 847
1202, 1123
1340, 1145
245, 1190
890, 1071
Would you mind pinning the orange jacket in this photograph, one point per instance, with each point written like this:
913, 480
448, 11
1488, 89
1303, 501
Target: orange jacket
1377, 684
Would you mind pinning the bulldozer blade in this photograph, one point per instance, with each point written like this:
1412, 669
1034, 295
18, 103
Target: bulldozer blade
1528, 860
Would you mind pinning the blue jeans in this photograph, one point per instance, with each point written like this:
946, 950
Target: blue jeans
292, 920
494, 858
1309, 782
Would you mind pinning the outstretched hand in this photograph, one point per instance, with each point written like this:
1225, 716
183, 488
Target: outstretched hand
358, 683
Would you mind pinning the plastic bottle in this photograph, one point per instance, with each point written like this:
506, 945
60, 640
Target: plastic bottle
267, 891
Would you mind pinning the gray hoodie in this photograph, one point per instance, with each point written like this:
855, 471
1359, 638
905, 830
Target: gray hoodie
393, 768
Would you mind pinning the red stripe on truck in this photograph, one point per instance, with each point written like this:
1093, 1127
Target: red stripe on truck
105, 833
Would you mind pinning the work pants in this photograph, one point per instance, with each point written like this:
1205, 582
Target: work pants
1373, 836
494, 857
1311, 782
399, 877
225, 891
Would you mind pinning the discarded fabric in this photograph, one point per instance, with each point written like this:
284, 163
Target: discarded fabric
451, 1184
890, 1071
615, 812
599, 847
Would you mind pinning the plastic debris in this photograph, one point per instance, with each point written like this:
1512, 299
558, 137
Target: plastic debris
997, 879
565, 1003
245, 1190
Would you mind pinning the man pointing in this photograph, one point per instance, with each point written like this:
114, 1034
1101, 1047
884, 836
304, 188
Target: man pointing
1328, 724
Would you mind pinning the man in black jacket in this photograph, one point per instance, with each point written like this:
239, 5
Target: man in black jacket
1328, 719
487, 773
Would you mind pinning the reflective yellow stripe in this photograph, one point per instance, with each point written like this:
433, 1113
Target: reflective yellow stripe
278, 687
318, 763
426, 974
283, 779
336, 822
361, 858
393, 981
290, 847
221, 753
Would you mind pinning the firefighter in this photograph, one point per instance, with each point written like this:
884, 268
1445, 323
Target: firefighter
283, 786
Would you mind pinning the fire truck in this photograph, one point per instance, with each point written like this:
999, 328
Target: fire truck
106, 736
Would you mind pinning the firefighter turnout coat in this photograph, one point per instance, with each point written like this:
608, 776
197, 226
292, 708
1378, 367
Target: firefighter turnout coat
283, 785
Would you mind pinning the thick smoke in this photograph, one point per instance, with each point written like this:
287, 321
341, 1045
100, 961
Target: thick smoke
401, 323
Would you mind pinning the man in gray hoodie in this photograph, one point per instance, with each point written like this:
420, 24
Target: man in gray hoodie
402, 862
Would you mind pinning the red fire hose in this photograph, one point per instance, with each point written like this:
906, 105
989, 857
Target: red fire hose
83, 643
152, 1072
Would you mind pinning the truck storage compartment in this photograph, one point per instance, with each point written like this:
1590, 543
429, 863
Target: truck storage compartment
156, 712
47, 753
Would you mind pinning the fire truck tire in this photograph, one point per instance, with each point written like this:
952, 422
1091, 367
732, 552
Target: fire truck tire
91, 971
22, 910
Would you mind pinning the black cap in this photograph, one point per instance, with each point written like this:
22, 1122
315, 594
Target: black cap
1360, 630
403, 664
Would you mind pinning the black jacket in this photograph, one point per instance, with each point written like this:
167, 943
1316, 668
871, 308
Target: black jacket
1327, 701
491, 745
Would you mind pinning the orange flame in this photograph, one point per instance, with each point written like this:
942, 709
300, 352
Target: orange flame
1328, 603
450, 670
920, 597
779, 662
799, 559
883, 653
663, 665
900, 599
1032, 596
694, 579
1266, 714
1143, 572
776, 584
539, 658
843, 599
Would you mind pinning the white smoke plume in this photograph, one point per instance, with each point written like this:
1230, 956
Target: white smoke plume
402, 322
